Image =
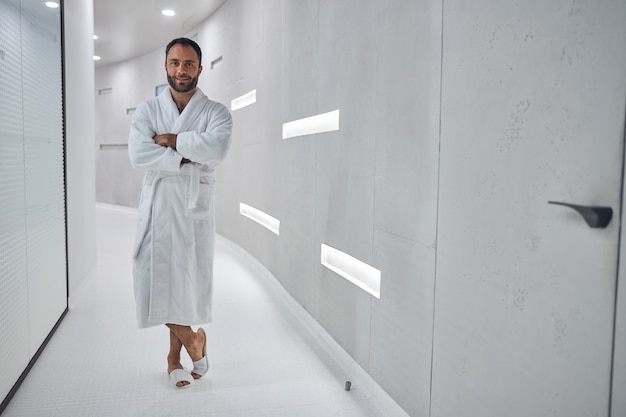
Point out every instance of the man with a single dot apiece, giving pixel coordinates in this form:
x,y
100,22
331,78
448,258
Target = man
x,y
178,137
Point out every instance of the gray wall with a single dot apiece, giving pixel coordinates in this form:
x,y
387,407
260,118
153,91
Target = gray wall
x,y
533,104
372,188
368,189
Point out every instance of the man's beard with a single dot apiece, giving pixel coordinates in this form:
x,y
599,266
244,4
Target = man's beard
x,y
192,84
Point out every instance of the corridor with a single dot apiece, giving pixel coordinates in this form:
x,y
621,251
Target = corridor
x,y
267,356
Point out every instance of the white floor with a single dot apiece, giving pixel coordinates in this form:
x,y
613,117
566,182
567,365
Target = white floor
x,y
268,357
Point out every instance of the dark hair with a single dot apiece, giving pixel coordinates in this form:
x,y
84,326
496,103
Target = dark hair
x,y
185,42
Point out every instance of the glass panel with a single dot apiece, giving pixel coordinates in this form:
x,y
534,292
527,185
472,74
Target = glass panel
x,y
32,202
43,152
13,268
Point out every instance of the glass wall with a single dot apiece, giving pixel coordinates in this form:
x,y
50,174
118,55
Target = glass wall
x,y
33,278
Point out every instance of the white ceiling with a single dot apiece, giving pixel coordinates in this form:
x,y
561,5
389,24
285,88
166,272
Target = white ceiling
x,y
131,28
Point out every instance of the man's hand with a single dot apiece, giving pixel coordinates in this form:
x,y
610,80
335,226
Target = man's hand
x,y
168,139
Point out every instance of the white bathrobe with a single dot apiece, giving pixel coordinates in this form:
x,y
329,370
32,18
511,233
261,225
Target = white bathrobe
x,y
174,248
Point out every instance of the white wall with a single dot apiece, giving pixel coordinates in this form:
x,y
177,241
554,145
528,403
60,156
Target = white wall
x,y
347,189
118,90
370,189
79,124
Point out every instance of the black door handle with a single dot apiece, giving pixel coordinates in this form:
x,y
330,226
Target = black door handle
x,y
595,216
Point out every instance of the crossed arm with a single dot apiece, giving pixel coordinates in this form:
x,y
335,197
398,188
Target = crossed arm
x,y
148,150
168,140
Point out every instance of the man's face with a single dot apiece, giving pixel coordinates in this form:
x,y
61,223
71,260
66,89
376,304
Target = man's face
x,y
182,68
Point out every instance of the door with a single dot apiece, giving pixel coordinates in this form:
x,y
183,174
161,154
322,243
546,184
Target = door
x,y
533,97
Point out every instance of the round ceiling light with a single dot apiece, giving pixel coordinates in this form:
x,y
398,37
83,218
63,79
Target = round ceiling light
x,y
168,12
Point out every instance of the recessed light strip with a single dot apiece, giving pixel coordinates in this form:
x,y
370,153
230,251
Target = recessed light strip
x,y
243,101
260,217
320,123
357,272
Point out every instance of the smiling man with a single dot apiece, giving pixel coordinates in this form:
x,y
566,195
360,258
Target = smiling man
x,y
183,67
179,138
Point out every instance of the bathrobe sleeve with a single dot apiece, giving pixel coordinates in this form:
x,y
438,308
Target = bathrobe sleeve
x,y
143,152
208,147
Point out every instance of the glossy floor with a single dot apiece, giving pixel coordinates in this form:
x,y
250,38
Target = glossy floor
x,y
268,357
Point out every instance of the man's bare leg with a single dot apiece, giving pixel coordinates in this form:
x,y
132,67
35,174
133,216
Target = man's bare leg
x,y
173,358
192,341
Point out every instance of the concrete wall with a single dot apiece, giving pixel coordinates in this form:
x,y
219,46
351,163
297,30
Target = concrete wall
x,y
371,189
348,189
533,105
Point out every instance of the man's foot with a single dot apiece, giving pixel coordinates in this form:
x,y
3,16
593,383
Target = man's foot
x,y
180,378
173,365
200,362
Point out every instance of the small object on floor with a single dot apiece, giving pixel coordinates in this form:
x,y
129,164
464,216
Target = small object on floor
x,y
180,375
201,366
348,385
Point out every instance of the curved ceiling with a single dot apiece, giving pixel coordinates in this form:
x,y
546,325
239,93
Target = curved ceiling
x,y
131,28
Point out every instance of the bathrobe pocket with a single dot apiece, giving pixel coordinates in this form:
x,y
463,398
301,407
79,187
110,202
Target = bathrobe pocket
x,y
202,210
144,216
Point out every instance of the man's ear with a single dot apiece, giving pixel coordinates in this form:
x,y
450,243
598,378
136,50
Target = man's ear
x,y
200,70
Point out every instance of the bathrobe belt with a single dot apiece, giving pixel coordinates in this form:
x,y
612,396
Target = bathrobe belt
x,y
192,170
194,184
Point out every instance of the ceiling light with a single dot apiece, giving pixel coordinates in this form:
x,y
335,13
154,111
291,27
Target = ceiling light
x,y
95,37
168,12
96,58
52,4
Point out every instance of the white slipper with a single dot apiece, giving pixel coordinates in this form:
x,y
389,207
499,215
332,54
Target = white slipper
x,y
180,375
201,366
